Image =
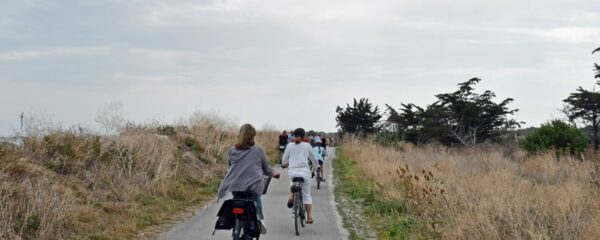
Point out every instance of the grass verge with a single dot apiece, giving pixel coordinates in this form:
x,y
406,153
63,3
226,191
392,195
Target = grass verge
x,y
359,195
150,210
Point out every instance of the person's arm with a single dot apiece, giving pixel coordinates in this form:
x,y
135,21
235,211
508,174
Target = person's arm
x,y
267,170
285,162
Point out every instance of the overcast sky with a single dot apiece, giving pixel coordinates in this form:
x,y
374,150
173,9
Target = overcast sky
x,y
286,63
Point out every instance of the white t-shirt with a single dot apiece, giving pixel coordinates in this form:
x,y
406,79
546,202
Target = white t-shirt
x,y
298,156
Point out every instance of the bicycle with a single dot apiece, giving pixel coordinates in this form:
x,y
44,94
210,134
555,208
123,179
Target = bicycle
x,y
298,212
239,215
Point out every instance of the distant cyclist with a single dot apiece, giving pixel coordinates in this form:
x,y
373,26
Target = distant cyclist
x,y
320,154
283,141
296,157
317,139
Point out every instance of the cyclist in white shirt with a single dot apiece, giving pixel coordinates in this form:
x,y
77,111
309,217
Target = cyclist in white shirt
x,y
296,157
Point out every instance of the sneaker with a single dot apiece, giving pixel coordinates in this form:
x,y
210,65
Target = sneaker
x,y
263,227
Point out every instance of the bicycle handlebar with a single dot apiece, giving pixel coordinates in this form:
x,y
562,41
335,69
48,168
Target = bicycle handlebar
x,y
267,182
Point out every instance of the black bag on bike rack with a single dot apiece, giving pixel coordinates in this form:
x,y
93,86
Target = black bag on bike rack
x,y
226,218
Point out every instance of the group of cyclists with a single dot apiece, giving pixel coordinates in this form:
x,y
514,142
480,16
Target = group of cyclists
x,y
248,166
318,142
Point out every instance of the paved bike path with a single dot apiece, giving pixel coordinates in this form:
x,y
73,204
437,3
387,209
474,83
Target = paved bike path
x,y
278,217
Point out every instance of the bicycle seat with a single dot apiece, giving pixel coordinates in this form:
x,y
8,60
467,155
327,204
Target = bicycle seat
x,y
297,179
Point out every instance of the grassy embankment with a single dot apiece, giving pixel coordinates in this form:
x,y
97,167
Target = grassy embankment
x,y
366,211
69,184
483,192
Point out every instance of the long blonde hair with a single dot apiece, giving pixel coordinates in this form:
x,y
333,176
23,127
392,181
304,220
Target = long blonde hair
x,y
246,137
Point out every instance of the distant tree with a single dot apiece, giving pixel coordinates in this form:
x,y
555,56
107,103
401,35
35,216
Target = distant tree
x,y
360,118
462,117
596,66
583,106
112,118
556,135
473,118
435,125
406,123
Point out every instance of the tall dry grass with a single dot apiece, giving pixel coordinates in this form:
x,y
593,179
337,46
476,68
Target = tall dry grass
x,y
72,183
484,192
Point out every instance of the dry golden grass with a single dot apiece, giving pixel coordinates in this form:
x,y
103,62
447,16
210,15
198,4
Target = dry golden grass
x,y
484,192
73,184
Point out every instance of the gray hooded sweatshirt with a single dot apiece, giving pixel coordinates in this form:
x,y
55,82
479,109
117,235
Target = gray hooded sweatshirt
x,y
246,171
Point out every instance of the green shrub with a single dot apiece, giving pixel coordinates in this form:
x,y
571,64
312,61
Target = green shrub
x,y
27,226
167,130
556,135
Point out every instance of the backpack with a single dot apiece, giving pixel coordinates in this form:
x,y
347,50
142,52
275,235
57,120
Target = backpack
x,y
226,218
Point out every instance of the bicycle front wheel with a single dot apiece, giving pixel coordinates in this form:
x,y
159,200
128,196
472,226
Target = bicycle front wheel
x,y
302,216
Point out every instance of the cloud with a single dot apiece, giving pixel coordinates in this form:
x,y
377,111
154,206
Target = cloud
x,y
172,57
235,11
44,53
572,34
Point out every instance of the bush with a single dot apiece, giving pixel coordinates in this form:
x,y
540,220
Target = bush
x,y
556,135
386,137
166,130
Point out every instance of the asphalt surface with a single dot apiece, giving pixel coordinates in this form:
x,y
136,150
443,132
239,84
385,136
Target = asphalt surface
x,y
278,218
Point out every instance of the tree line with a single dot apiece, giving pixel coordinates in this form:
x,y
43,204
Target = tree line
x,y
466,117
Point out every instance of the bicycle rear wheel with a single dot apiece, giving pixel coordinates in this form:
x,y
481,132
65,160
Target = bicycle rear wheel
x,y
296,214
237,230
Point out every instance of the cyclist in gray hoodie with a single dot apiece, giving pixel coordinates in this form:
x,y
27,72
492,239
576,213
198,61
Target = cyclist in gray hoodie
x,y
248,165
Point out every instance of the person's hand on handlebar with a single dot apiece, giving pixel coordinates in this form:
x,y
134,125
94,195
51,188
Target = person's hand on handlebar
x,y
275,174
